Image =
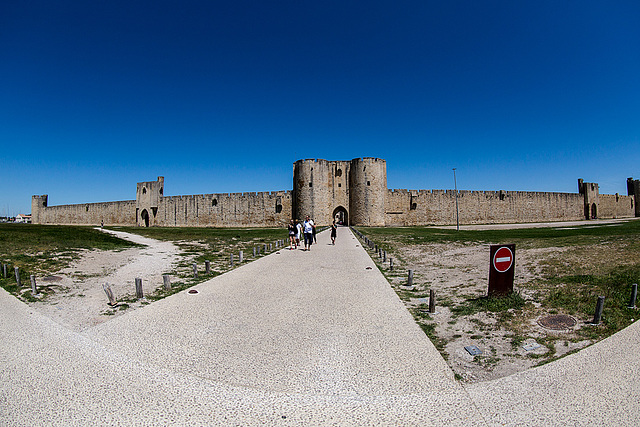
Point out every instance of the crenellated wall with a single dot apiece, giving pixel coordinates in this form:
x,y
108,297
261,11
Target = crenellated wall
x,y
438,207
354,192
265,209
112,213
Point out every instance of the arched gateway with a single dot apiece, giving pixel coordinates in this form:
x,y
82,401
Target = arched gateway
x,y
341,216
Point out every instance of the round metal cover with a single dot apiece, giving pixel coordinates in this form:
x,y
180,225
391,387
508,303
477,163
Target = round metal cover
x,y
557,322
193,291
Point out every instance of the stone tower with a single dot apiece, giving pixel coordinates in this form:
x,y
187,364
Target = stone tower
x,y
350,192
591,193
148,197
367,187
633,189
37,203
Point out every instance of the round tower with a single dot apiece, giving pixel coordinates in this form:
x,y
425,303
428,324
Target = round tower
x,y
311,189
367,190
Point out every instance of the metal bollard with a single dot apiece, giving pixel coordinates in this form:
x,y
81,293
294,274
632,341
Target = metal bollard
x,y
109,292
17,270
432,301
384,256
410,280
265,248
240,256
195,270
254,251
634,295
34,289
270,247
207,267
4,270
231,259
598,315
390,264
166,280
139,293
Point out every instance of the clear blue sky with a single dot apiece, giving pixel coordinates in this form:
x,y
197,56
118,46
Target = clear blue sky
x,y
225,96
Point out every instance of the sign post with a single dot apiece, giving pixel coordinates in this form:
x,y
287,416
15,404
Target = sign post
x,y
501,269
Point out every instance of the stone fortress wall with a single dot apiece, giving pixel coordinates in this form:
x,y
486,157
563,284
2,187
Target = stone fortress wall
x,y
353,192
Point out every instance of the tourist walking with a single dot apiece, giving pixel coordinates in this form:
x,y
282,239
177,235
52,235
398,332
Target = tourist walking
x,y
308,233
292,235
334,233
298,233
314,233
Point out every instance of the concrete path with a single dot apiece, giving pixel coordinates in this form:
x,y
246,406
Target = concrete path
x,y
294,338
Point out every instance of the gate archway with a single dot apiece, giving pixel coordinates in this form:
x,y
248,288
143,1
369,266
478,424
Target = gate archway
x,y
145,217
341,216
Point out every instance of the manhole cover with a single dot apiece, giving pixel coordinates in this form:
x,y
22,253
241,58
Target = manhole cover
x,y
368,268
51,279
193,291
557,322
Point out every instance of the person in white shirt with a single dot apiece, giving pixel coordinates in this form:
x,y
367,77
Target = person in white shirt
x,y
299,232
308,233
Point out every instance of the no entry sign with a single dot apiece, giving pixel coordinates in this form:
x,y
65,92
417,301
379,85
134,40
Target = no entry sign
x,y
503,259
501,270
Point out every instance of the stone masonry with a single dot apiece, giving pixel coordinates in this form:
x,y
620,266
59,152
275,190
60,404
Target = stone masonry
x,y
351,192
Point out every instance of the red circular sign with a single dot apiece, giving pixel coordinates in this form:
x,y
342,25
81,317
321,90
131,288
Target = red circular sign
x,y
503,259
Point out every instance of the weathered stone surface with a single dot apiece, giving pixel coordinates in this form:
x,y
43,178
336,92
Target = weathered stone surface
x,y
353,191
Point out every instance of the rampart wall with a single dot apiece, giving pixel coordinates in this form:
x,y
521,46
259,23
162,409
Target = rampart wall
x,y
112,213
615,206
438,207
354,192
264,209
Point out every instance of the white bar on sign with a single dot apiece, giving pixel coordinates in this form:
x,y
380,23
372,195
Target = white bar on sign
x,y
503,259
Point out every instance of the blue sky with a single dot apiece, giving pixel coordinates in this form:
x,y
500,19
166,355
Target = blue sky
x,y
225,96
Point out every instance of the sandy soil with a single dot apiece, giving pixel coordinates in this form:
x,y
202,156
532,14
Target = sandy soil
x,y
79,300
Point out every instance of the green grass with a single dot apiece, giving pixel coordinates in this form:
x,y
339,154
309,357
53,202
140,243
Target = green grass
x,y
527,237
51,247
492,304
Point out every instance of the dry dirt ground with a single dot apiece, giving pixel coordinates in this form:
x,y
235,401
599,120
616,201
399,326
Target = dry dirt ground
x,y
510,342
79,301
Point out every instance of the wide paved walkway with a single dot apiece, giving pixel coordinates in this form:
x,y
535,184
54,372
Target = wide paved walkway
x,y
294,338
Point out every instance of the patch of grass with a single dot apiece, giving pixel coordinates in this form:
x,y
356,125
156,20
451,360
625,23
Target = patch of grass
x,y
492,304
430,330
577,295
49,248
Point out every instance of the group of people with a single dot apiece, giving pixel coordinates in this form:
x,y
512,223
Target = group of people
x,y
308,229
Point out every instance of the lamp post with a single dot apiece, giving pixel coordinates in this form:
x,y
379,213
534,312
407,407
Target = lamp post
x,y
455,184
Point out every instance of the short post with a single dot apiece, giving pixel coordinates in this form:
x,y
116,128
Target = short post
x,y
390,264
240,257
598,315
432,301
109,292
195,270
139,293
634,295
270,247
4,270
34,289
384,256
265,248
17,270
410,280
207,267
166,280
231,259
254,251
